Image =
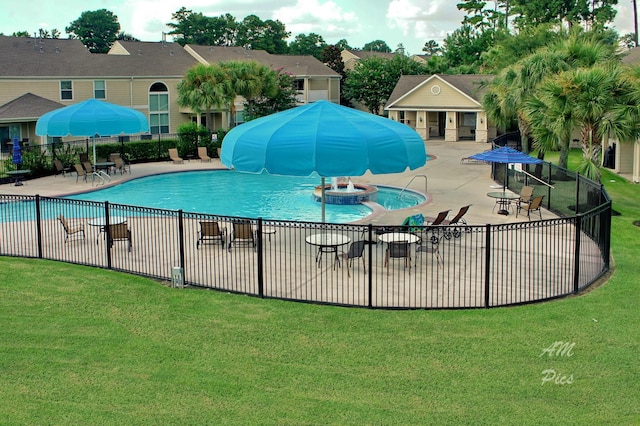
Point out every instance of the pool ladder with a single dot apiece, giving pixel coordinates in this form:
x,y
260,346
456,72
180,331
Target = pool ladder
x,y
426,184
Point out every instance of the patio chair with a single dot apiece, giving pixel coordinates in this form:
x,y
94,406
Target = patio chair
x,y
60,168
242,234
119,232
72,229
533,206
526,194
398,250
121,165
210,232
173,155
356,250
458,218
80,172
88,167
202,154
433,249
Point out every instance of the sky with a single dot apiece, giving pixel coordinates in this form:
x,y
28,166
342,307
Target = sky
x,y
407,22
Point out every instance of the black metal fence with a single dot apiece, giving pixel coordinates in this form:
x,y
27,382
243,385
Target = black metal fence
x,y
420,267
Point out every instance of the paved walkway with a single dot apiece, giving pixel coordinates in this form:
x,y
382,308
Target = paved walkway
x,y
450,184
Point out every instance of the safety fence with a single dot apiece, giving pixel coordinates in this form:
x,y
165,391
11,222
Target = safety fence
x,y
417,267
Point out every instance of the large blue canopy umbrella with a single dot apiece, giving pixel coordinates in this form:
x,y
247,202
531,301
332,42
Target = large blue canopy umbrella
x,y
505,155
325,138
92,118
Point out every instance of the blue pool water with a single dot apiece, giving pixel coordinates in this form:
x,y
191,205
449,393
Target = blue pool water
x,y
229,193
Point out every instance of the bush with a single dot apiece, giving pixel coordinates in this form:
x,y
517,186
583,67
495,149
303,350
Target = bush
x,y
190,136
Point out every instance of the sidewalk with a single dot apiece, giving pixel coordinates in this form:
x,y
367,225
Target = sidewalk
x,y
450,184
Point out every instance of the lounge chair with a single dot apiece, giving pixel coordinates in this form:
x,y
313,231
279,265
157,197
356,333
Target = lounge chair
x,y
398,250
533,206
202,154
60,168
88,167
119,232
414,223
434,227
458,218
242,234
80,172
211,232
173,155
356,250
72,229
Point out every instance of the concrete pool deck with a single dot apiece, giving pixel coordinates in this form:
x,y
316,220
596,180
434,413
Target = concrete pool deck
x,y
449,184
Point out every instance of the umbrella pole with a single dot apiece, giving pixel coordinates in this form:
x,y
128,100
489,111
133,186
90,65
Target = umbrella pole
x,y
322,198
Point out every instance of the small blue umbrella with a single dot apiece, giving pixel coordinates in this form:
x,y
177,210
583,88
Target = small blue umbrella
x,y
17,154
505,155
323,138
92,118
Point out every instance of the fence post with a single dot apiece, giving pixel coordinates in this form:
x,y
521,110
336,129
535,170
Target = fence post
x,y
181,238
577,193
576,254
260,259
39,226
487,263
370,259
107,231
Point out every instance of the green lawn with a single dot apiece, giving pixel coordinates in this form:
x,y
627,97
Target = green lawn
x,y
87,346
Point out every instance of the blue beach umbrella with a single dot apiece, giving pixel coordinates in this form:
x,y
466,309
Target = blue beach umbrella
x,y
323,138
17,154
505,155
92,118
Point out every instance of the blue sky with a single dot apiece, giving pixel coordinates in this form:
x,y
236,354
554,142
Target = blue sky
x,y
410,22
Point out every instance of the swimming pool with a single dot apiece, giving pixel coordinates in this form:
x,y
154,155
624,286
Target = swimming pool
x,y
230,193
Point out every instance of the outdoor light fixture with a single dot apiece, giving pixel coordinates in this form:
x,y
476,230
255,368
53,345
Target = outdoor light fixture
x,y
450,120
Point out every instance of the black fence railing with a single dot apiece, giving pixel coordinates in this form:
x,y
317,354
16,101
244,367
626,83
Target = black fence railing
x,y
422,267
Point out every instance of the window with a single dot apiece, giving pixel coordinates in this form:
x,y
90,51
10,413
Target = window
x,y
158,109
299,84
66,90
99,89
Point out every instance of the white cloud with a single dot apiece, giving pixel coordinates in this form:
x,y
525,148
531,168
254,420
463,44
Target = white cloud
x,y
327,19
433,22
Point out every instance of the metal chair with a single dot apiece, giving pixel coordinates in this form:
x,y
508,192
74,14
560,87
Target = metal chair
x,y
211,232
356,250
533,206
398,250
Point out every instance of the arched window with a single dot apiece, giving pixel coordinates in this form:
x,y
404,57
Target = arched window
x,y
158,108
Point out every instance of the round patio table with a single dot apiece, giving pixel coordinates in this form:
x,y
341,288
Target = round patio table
x,y
18,175
503,199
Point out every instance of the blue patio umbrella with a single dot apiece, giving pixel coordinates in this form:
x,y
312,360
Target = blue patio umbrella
x,y
323,138
505,155
92,118
17,153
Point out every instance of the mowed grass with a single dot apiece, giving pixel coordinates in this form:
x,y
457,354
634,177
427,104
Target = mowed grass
x,y
80,345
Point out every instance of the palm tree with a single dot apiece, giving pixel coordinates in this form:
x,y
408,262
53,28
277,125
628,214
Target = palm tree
x,y
203,88
248,79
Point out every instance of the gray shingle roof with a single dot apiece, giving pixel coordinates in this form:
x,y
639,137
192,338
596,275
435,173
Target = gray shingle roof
x,y
469,84
27,107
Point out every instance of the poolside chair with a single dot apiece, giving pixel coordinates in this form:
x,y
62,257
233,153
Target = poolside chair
x,y
202,154
211,232
60,168
121,165
88,167
430,248
526,194
533,206
119,232
458,218
72,229
80,172
173,155
398,250
242,234
356,250
434,227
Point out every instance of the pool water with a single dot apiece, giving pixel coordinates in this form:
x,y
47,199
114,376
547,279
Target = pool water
x,y
229,193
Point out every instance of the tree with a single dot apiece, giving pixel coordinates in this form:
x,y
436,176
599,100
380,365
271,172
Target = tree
x,y
196,28
591,13
283,98
312,44
463,48
431,48
373,79
96,29
250,80
376,46
20,34
342,44
203,88
256,34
